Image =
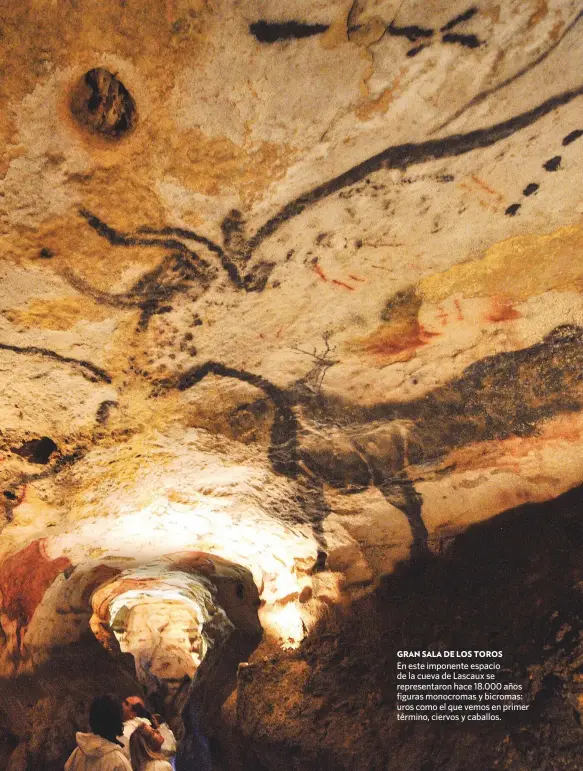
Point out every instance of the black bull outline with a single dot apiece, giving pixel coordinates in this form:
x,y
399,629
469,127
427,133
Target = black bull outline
x,y
498,397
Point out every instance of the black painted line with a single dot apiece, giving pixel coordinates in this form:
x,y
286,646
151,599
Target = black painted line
x,y
276,31
33,350
553,164
512,209
150,291
403,156
468,41
483,95
465,16
416,50
60,465
413,33
400,492
572,137
182,233
123,239
229,267
116,300
530,189
283,447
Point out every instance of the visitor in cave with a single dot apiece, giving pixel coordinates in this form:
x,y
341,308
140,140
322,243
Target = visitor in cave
x,y
169,746
145,750
135,714
100,750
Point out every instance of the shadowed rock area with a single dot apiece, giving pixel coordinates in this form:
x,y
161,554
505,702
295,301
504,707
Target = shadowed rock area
x,y
291,325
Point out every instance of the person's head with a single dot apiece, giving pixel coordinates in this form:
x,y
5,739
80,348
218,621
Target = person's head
x,y
145,745
105,717
129,706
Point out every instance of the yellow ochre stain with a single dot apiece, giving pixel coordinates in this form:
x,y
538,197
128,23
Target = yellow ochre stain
x,y
524,266
57,314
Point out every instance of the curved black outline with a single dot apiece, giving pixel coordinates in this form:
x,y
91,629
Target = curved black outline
x,y
284,457
403,156
33,350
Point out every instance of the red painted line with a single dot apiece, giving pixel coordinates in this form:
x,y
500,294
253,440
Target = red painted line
x,y
317,269
459,310
341,283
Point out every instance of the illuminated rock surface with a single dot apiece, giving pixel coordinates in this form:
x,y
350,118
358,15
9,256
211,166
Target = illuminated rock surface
x,y
291,297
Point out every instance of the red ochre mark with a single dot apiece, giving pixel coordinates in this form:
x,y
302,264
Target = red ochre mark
x,y
442,315
458,308
400,343
502,309
24,579
487,188
341,283
317,269
355,278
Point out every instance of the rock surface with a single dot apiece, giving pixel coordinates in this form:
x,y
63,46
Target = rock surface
x,y
293,286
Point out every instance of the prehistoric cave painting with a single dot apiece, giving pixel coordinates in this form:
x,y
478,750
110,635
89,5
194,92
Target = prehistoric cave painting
x,y
319,440
184,270
414,33
181,269
24,579
36,451
275,32
283,448
551,165
88,370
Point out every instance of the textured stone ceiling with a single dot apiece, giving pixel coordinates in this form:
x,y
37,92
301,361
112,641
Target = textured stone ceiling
x,y
260,255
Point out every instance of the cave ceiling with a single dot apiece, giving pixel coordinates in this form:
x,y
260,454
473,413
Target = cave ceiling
x,y
296,285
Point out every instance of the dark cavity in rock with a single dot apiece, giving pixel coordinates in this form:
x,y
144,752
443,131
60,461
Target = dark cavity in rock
x,y
102,103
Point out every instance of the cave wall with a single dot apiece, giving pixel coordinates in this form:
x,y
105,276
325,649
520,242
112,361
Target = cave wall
x,y
332,703
294,286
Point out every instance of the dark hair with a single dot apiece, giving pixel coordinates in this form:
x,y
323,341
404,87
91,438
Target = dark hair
x,y
105,717
141,711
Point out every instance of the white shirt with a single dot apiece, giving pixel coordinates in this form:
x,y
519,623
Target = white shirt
x,y
128,728
156,765
169,746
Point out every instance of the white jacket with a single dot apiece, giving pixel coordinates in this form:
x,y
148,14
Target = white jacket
x,y
93,753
